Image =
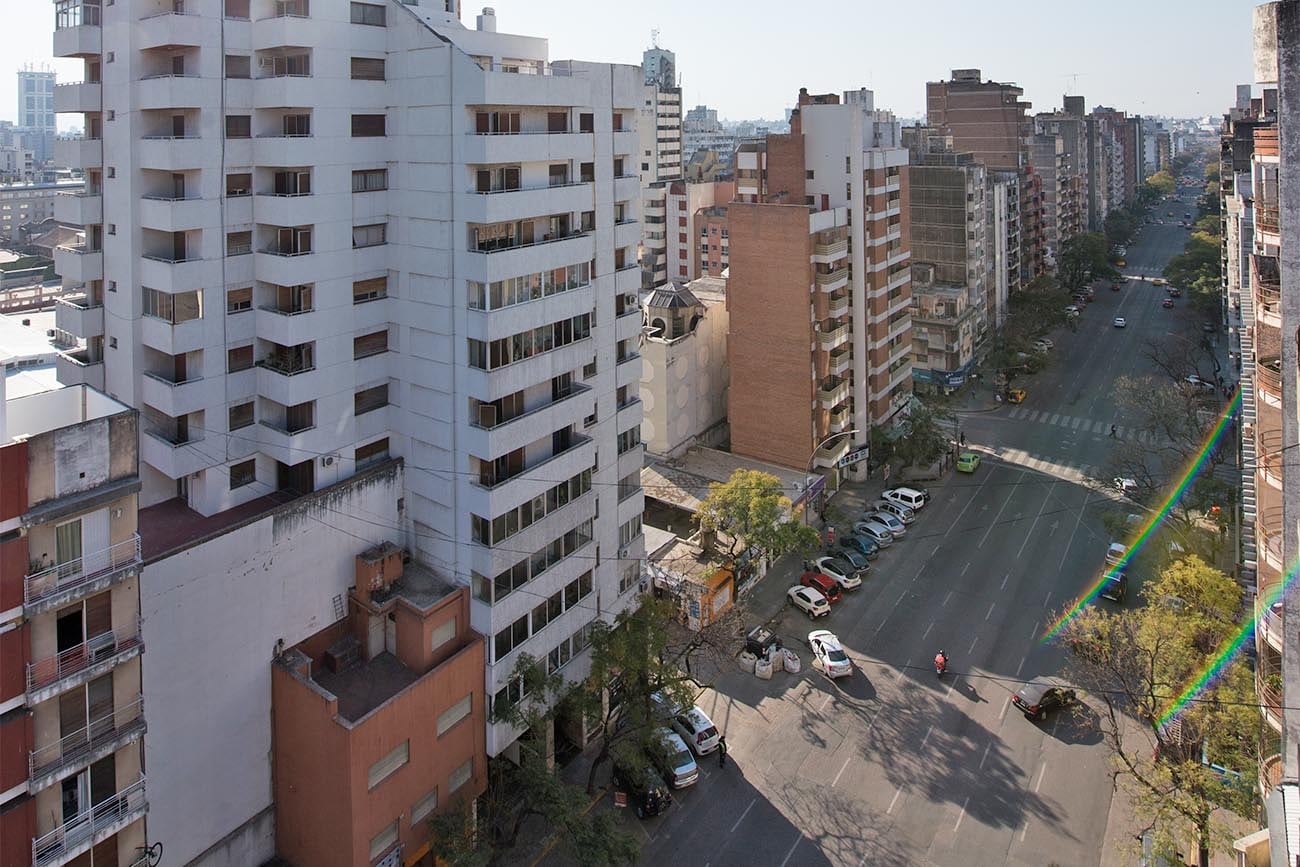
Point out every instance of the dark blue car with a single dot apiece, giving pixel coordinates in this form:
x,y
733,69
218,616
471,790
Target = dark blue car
x,y
861,544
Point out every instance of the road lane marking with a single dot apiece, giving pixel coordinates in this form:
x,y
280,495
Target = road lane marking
x,y
1046,599
1056,720
1077,522
927,630
1030,534
746,813
972,646
992,605
890,811
935,551
951,687
1077,422
988,746
822,709
1005,579
1021,666
1055,416
961,815
1024,831
946,598
927,736
963,569
837,776
792,848
998,516
1042,772
1006,704
1033,636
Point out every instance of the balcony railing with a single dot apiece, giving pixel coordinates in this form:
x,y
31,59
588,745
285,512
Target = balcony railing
x,y
287,367
82,570
489,481
545,239
827,279
1270,696
574,392
1269,618
544,69
1270,773
56,845
1268,372
1266,219
76,15
85,741
834,249
78,658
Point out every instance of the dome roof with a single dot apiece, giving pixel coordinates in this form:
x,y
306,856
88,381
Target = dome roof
x,y
672,295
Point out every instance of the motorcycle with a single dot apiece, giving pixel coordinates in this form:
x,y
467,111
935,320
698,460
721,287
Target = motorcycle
x,y
940,664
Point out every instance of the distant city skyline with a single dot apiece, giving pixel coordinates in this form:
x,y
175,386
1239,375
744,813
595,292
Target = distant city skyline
x,y
889,49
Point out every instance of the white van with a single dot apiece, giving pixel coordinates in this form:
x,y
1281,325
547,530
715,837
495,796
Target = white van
x,y
909,497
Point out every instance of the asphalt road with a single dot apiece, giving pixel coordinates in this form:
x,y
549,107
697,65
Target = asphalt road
x,y
896,766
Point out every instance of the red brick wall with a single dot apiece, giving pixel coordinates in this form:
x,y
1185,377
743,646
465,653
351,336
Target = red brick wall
x,y
13,569
770,334
17,828
15,744
14,651
13,480
786,173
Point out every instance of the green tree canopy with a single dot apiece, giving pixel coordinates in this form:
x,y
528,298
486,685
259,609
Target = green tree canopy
x,y
1162,182
1084,258
752,511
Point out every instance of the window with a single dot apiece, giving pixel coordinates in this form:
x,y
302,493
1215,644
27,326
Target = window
x,y
368,13
628,576
237,8
455,714
239,243
808,175
367,125
178,308
629,439
489,355
385,839
241,415
586,122
511,637
239,358
239,300
629,531
243,474
370,344
424,806
295,125
368,68
442,634
460,776
369,290
369,236
370,399
239,126
389,764
368,180
239,66
238,185
557,121
848,165
373,453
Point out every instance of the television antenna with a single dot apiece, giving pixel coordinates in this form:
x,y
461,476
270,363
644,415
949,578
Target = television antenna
x,y
654,37
1074,80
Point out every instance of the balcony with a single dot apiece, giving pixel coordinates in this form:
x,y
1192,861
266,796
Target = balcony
x,y
833,392
169,153
172,338
1268,379
490,482
84,662
79,367
181,398
1266,219
285,91
79,263
169,214
78,97
841,361
529,146
1268,688
78,316
288,150
838,307
169,30
544,85
177,458
828,340
1270,774
277,209
829,454
492,436
830,282
286,268
290,384
1271,457
62,583
77,835
79,209
841,420
288,26
286,327
824,254
156,92
86,745
172,274
77,32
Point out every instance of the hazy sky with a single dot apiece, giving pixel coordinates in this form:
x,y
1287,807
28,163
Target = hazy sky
x,y
748,58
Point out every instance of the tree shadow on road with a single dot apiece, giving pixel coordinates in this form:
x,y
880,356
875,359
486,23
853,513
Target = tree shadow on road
x,y
1078,724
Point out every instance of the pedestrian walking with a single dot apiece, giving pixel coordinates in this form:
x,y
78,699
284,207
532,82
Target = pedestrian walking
x,y
1112,430
722,750
961,437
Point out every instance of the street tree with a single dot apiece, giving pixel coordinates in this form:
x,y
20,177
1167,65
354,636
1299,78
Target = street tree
x,y
1084,258
1134,663
1162,182
749,510
927,432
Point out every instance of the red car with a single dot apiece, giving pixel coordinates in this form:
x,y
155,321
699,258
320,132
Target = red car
x,y
1168,302
823,584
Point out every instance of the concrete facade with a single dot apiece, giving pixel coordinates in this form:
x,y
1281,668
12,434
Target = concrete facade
x,y
698,239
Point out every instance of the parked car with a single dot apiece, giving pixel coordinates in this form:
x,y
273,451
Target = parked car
x,y
1046,341
644,787
674,759
875,531
808,600
839,571
1115,553
896,527
823,584
968,462
1115,584
912,498
1072,310
1016,395
828,653
1167,303
864,546
699,732
1039,697
853,557
1121,322
902,513
1200,384
1125,486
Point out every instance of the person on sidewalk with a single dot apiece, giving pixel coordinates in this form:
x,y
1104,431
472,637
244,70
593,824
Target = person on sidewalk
x,y
1112,430
961,437
722,750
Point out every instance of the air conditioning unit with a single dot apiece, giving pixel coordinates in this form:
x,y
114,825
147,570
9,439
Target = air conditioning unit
x,y
622,553
327,461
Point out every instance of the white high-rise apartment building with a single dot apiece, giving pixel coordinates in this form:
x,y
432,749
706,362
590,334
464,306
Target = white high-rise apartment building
x,y
322,232
660,157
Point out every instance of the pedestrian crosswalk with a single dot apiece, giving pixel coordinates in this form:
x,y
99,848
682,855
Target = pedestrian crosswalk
x,y
1068,472
1082,425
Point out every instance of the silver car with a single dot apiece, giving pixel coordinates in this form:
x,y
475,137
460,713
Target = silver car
x,y
875,531
902,513
894,524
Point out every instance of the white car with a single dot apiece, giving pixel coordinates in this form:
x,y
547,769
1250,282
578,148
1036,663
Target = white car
x,y
808,600
1045,341
1072,310
674,760
1125,486
829,656
894,524
699,732
1121,322
909,497
1198,383
875,531
902,513
838,570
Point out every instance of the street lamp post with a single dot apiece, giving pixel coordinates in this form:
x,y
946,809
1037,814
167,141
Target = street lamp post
x,y
813,457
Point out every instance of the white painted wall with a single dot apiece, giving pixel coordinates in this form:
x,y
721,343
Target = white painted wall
x,y
212,615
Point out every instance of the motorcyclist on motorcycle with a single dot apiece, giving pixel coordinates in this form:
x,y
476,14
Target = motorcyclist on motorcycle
x,y
941,662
